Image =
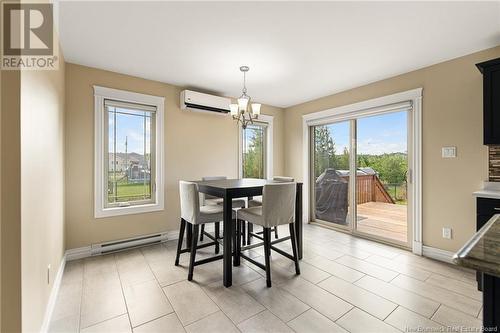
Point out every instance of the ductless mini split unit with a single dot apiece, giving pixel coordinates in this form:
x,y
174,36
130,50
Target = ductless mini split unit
x,y
196,101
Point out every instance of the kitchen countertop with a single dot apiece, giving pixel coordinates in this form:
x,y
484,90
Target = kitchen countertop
x,y
490,190
482,251
492,194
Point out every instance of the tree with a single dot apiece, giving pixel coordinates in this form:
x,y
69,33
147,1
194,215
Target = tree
x,y
324,150
253,158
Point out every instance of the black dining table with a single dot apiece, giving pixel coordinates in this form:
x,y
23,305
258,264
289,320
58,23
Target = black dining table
x,y
229,189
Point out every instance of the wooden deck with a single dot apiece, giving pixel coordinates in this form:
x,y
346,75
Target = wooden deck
x,y
383,220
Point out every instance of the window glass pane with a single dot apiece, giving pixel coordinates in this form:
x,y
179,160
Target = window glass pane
x,y
130,139
254,151
331,172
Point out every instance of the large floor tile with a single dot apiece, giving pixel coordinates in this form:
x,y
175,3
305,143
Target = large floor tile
x,y
324,302
336,269
358,321
145,302
189,301
166,273
406,321
450,317
102,299
375,248
68,300
457,286
234,301
275,299
119,324
438,294
73,272
368,268
399,267
307,271
243,274
133,268
94,266
313,321
214,323
409,300
69,324
169,323
359,297
160,253
264,322
351,250
430,265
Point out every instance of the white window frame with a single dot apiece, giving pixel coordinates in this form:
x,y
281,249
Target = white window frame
x,y
366,108
100,94
268,120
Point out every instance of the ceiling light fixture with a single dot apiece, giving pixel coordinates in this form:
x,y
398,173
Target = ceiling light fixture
x,y
244,111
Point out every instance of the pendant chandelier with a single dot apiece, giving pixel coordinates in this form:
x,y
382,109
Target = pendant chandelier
x,y
244,111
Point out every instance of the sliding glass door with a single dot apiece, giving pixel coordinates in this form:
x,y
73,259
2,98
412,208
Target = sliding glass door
x,y
375,148
331,168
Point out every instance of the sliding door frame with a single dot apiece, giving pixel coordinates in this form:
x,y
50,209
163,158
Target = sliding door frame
x,y
376,106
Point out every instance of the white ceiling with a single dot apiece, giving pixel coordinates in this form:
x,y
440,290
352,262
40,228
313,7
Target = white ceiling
x,y
296,51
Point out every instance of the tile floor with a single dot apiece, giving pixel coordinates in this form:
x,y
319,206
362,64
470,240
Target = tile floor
x,y
347,285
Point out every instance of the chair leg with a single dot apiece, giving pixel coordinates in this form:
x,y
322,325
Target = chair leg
x,y
194,245
217,236
243,233
202,231
276,232
189,235
293,238
179,242
267,254
237,249
249,230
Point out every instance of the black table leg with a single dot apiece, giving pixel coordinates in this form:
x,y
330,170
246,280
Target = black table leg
x,y
228,233
298,219
491,302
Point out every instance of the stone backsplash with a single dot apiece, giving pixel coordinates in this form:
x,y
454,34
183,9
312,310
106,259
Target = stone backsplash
x,y
494,163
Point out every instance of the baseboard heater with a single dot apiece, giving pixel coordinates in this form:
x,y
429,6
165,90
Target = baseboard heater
x,y
126,244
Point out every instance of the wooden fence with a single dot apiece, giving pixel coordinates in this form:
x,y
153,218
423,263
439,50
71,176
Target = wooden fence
x,y
369,188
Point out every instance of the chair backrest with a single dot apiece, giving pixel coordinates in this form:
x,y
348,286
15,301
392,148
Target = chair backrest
x,y
190,201
278,204
283,179
208,196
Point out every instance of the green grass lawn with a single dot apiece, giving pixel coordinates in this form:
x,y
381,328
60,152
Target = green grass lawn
x,y
397,193
130,192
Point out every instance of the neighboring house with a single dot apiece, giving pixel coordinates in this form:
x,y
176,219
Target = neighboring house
x,y
123,161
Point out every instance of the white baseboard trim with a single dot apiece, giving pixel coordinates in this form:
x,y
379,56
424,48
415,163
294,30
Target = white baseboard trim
x,y
53,296
438,254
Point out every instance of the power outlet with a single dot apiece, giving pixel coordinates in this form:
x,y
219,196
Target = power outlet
x,y
48,274
447,233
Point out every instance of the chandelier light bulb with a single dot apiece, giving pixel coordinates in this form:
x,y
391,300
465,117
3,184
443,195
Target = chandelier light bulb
x,y
256,108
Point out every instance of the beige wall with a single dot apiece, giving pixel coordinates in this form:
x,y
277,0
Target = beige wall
x,y
452,115
42,188
11,202
196,144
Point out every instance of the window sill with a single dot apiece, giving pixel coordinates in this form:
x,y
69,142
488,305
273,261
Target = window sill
x,y
129,210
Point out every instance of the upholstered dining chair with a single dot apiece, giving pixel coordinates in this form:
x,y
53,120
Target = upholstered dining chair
x,y
196,215
207,199
257,201
278,208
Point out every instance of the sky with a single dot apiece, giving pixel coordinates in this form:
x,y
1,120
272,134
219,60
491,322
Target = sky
x,y
130,126
377,135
